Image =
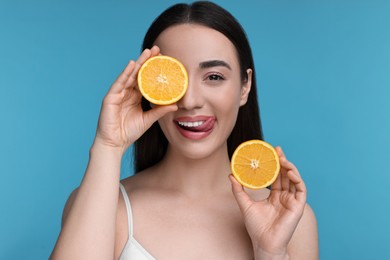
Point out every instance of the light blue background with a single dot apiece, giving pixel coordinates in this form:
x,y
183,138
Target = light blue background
x,y
323,71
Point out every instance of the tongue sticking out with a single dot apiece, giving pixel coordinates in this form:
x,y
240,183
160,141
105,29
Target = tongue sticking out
x,y
193,128
202,126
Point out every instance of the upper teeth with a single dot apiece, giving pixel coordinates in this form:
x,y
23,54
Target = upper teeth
x,y
191,124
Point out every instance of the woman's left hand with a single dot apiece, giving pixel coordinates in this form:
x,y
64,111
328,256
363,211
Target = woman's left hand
x,y
271,222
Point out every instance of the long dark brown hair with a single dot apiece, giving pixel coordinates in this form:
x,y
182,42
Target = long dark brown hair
x,y
151,147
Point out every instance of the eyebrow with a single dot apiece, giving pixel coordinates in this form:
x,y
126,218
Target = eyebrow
x,y
214,63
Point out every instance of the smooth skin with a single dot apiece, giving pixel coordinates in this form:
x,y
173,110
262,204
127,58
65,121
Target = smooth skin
x,y
188,206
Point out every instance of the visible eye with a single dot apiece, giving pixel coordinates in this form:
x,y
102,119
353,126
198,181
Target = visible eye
x,y
214,77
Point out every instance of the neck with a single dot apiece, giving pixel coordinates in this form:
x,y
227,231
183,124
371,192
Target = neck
x,y
196,177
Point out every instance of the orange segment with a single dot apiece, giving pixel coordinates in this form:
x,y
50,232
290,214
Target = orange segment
x,y
255,164
162,80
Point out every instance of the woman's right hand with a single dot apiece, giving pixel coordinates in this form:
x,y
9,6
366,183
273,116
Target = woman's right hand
x,y
122,120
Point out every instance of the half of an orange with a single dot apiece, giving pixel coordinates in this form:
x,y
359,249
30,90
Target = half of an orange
x,y
163,80
255,164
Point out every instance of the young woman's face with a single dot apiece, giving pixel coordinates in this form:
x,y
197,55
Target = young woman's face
x,y
208,111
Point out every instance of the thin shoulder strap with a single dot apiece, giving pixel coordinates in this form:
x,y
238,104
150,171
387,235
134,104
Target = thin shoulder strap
x,y
128,208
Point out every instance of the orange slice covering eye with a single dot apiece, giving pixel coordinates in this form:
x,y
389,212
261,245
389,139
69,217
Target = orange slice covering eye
x,y
162,80
255,164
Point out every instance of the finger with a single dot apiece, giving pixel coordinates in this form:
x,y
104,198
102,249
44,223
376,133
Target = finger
x,y
300,187
145,55
292,187
132,97
132,75
285,182
242,198
120,83
280,151
155,50
157,112
277,185
291,167
281,154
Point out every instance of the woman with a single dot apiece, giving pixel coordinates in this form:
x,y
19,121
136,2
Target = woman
x,y
183,203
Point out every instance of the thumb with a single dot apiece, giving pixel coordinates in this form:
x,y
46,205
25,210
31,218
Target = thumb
x,y
242,198
157,112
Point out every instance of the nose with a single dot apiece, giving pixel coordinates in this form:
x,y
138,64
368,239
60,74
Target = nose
x,y
192,99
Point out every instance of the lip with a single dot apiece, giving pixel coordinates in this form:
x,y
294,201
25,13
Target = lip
x,y
197,132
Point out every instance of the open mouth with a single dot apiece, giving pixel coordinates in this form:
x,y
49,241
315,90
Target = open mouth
x,y
195,128
192,126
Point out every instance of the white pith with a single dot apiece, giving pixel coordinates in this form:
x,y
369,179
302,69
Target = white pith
x,y
191,124
255,164
162,79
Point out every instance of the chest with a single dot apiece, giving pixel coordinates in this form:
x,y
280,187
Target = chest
x,y
192,231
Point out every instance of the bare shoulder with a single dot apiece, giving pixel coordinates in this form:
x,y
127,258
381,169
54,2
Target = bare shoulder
x,y
137,181
68,205
304,243
141,182
130,184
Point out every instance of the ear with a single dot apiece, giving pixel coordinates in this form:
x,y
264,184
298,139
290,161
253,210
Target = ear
x,y
246,88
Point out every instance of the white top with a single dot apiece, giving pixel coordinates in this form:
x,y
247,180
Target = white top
x,y
132,250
